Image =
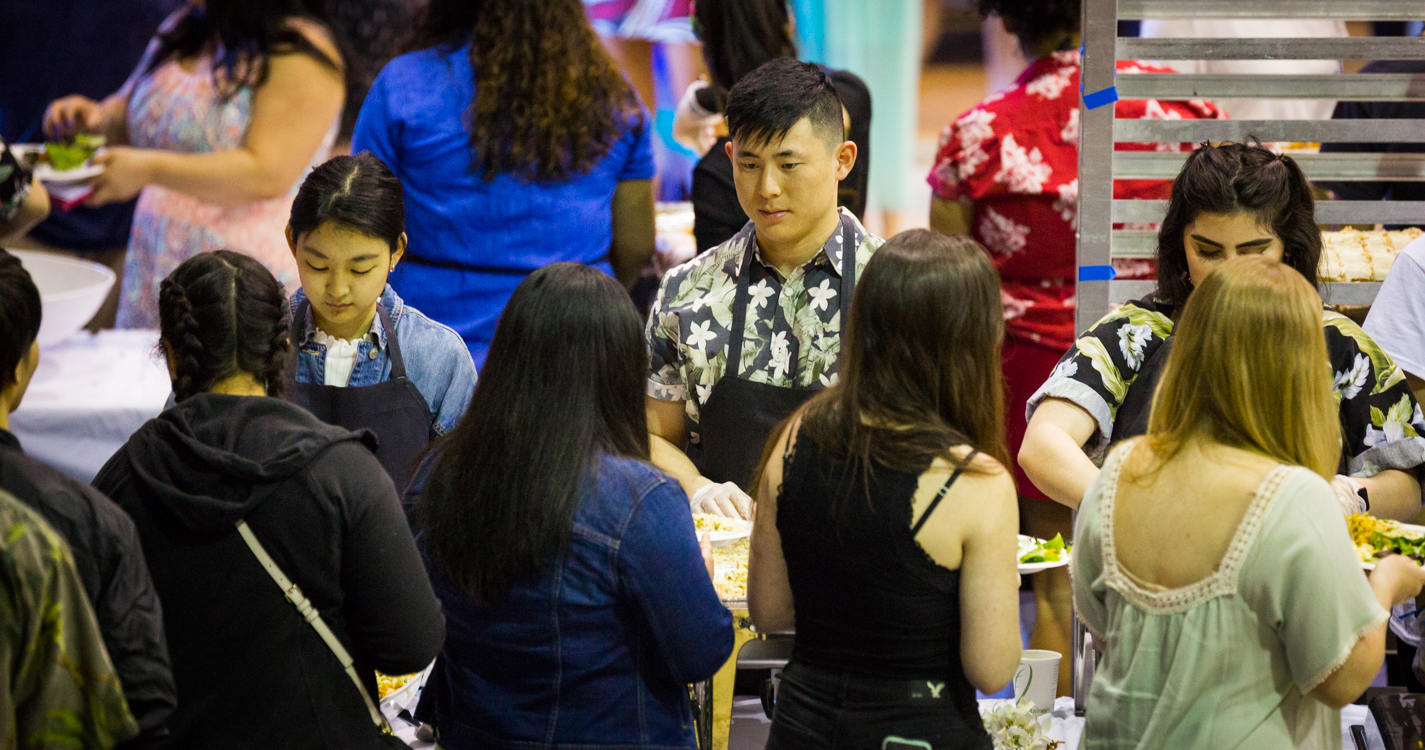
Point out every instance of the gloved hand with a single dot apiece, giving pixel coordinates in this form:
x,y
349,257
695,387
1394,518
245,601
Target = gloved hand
x,y
725,499
694,127
1348,494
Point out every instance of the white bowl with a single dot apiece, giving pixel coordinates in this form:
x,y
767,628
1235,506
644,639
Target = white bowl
x,y
71,291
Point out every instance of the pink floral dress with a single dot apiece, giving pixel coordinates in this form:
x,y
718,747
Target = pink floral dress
x,y
177,110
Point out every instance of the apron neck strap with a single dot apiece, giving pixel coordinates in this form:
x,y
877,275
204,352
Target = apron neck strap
x,y
744,280
393,344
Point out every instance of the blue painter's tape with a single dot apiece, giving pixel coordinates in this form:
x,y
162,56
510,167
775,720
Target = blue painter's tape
x,y
1096,273
1101,98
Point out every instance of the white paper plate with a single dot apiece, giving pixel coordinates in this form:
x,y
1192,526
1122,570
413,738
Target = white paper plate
x,y
46,173
1027,543
1407,526
402,696
724,538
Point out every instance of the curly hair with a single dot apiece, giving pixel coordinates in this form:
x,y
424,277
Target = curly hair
x,y
550,102
1034,20
220,314
1238,178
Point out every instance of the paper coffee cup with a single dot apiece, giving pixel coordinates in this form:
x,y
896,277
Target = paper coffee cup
x,y
1037,679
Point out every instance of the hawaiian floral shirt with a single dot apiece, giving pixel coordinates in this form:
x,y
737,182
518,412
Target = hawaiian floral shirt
x,y
1381,423
793,332
14,183
1016,155
60,687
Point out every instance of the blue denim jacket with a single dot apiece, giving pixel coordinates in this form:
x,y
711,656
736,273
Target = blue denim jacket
x,y
437,361
599,651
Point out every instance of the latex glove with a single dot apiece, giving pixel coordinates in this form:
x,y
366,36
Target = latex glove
x,y
1347,494
725,499
694,127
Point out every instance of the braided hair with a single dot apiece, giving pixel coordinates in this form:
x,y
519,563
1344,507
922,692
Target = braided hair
x,y
221,314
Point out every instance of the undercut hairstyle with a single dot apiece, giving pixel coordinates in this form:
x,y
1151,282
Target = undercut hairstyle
x,y
1035,20
19,316
550,102
768,102
358,193
738,36
221,314
920,373
1238,178
248,34
563,382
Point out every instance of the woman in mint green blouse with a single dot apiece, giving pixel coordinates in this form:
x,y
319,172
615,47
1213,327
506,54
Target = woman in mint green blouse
x,y
1213,565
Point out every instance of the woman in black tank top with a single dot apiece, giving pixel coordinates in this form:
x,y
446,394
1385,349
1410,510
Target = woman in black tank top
x,y
886,521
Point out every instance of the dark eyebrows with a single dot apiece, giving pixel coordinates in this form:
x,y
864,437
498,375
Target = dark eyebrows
x,y
364,258
745,154
1203,240
314,251
1255,243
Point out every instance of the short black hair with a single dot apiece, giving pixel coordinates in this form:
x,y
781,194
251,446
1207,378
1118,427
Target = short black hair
x,y
358,193
1238,178
1034,20
771,100
19,316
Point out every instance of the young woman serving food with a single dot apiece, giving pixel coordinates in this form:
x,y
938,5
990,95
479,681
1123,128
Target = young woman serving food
x,y
364,358
1229,200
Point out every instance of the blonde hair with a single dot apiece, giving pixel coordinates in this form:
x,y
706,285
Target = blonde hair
x,y
1248,369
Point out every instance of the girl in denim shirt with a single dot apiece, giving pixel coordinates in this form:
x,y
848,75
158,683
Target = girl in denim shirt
x,y
364,358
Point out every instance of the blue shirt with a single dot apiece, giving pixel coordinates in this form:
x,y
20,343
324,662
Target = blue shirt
x,y
437,361
598,652
414,119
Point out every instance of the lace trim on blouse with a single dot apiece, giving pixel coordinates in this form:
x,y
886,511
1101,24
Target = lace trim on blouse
x,y
1155,599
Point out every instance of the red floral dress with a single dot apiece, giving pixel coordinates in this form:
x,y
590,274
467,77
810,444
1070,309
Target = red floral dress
x,y
1016,156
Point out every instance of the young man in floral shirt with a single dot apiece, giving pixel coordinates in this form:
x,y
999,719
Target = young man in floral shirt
x,y
771,299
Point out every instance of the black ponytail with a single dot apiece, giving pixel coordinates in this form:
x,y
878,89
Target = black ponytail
x,y
221,314
358,193
1238,178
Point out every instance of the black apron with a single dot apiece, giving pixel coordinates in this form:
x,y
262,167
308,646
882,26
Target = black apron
x,y
395,410
740,414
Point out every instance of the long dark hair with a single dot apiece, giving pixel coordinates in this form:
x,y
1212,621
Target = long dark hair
x,y
738,36
249,33
563,386
1034,20
20,312
920,368
358,193
549,100
1238,178
223,313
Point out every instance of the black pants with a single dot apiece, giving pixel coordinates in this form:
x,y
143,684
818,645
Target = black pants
x,y
818,710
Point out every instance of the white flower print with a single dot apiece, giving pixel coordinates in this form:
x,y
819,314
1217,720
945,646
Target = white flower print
x,y
1067,57
975,128
1065,370
821,296
700,334
698,303
1392,425
759,295
1022,171
1001,234
1131,341
1070,133
1350,382
1014,307
704,393
1050,85
828,382
781,355
970,162
1068,203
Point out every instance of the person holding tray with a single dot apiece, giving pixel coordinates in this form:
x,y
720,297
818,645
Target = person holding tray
x,y
1229,200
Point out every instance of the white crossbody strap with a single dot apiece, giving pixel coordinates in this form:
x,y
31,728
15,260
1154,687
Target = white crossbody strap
x,y
314,618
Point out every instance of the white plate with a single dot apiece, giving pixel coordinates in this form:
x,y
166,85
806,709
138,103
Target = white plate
x,y
724,538
402,695
46,173
1406,526
1027,543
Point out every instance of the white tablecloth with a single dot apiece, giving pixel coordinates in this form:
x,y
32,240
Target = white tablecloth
x,y
1069,729
91,393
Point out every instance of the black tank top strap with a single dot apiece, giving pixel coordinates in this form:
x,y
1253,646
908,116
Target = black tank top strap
x,y
940,495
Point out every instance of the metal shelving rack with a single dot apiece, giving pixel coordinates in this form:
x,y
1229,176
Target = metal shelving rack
x,y
1099,164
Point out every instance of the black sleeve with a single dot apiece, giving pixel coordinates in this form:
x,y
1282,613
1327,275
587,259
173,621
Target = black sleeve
x,y
856,97
391,613
717,215
1354,191
132,622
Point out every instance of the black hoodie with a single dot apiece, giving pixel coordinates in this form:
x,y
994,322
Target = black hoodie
x,y
250,671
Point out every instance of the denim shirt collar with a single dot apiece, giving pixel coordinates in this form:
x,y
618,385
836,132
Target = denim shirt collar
x,y
395,307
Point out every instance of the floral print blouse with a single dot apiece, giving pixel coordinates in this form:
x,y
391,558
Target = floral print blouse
x,y
793,330
1381,423
14,184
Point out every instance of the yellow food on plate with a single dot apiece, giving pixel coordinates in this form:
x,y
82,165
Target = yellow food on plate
x,y
386,684
711,522
1373,535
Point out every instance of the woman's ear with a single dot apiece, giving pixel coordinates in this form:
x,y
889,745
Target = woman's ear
x,y
399,252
